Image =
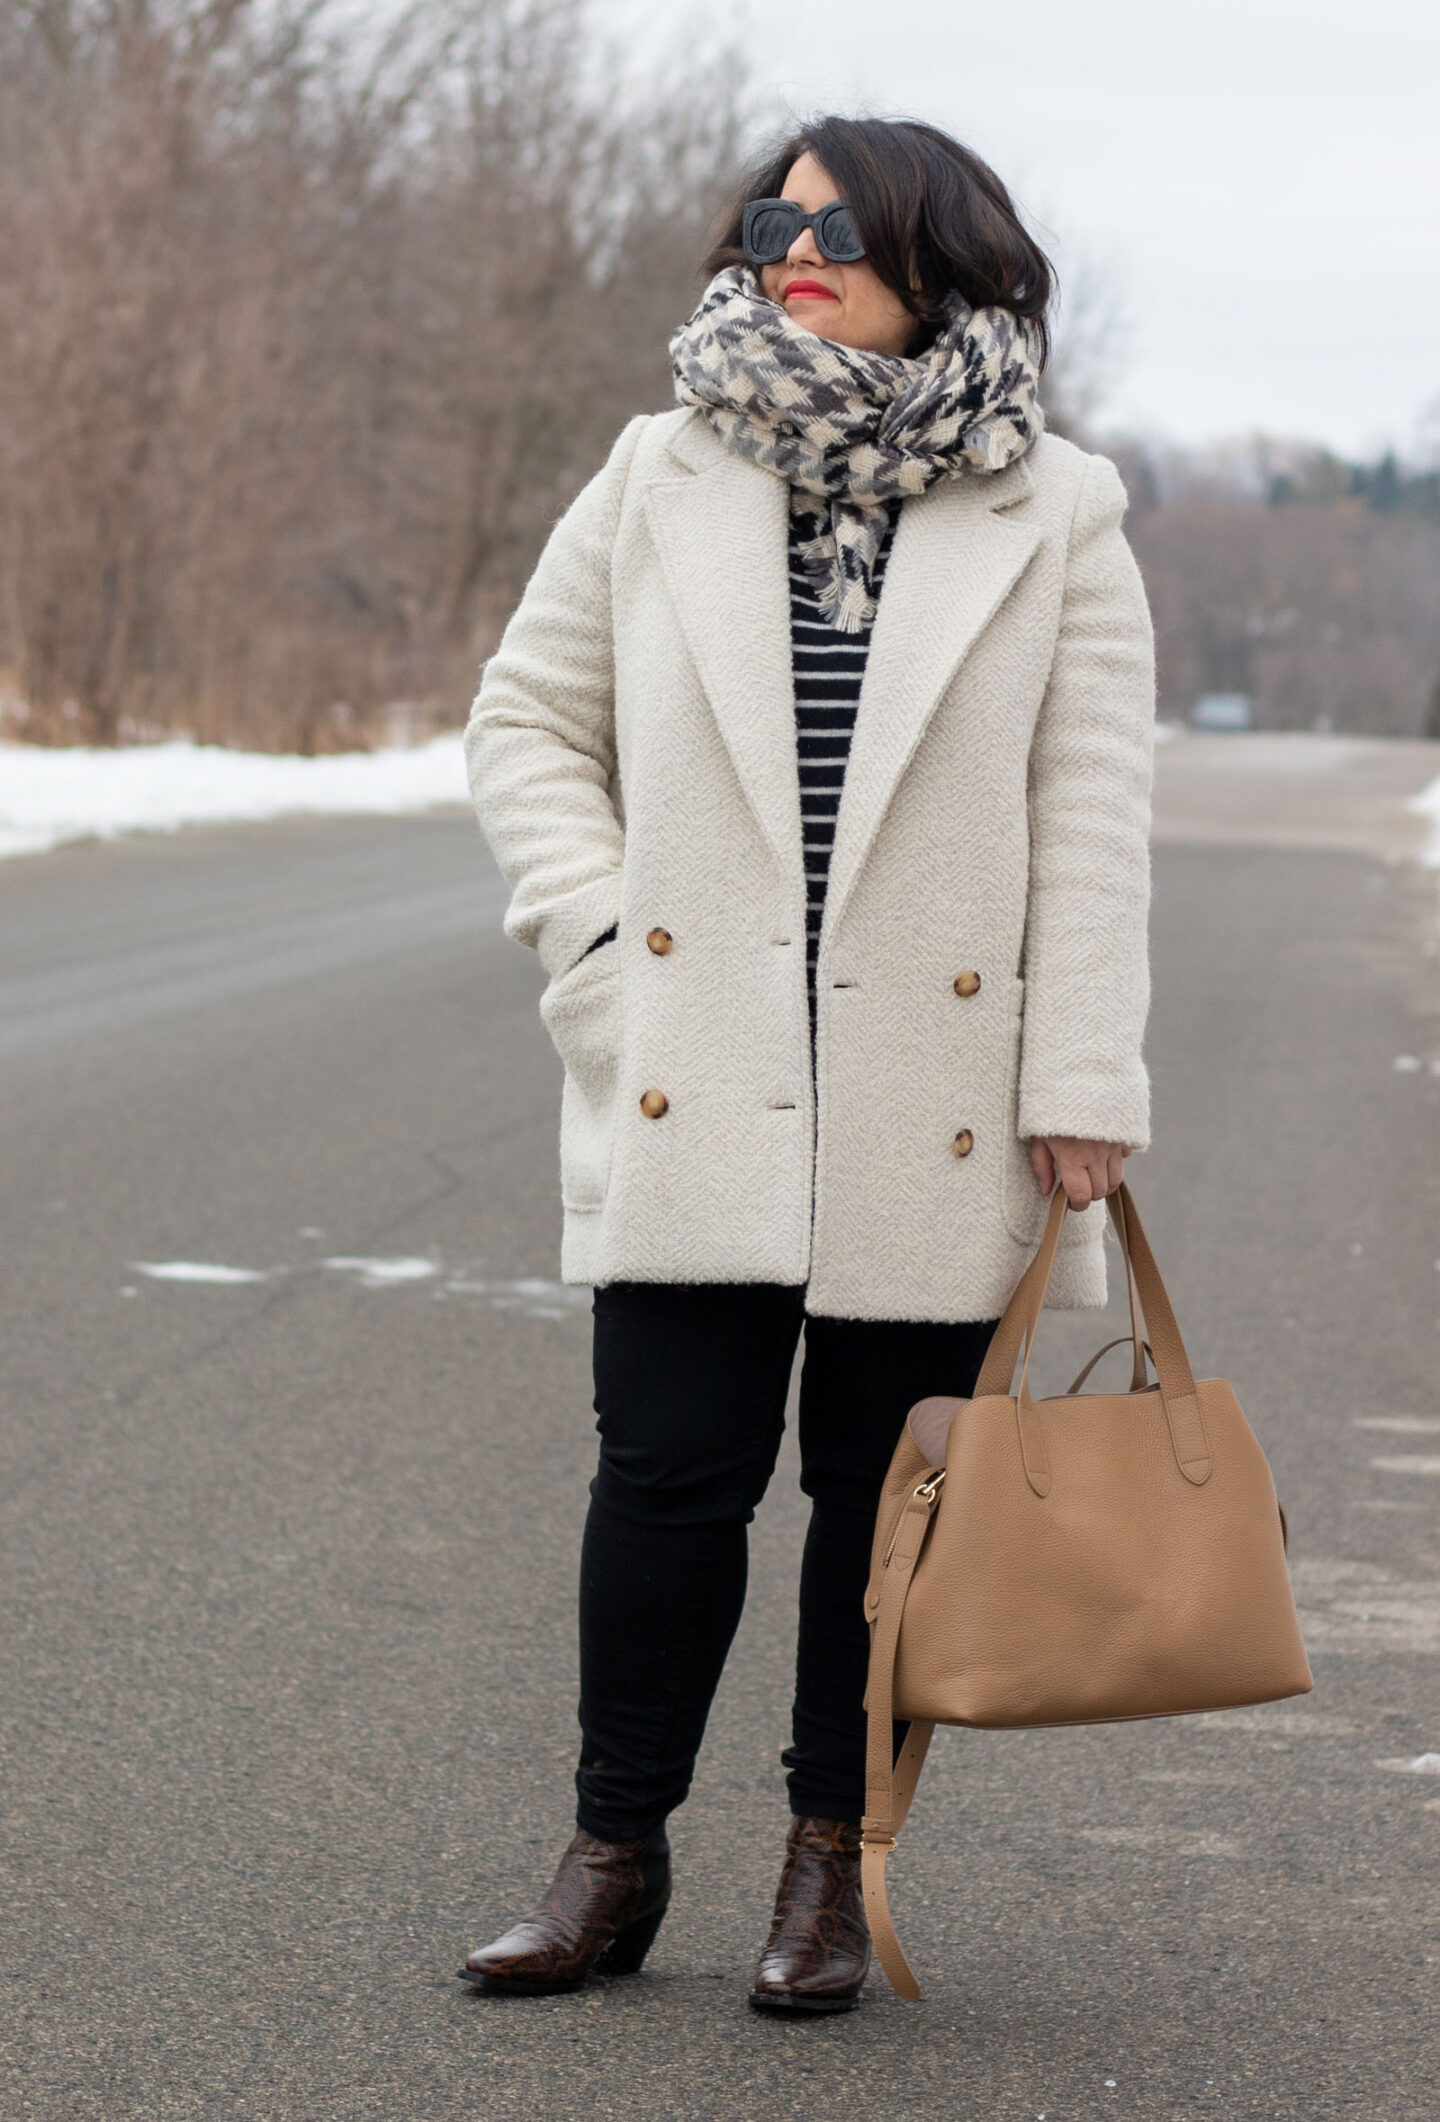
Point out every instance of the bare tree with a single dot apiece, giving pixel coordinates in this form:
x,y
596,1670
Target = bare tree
x,y
302,347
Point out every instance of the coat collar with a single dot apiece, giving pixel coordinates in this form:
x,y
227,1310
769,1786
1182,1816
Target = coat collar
x,y
721,526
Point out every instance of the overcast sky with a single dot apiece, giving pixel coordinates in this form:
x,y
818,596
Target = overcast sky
x,y
1259,180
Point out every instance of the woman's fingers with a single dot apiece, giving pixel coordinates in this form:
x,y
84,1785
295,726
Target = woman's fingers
x,y
1079,1179
1089,1171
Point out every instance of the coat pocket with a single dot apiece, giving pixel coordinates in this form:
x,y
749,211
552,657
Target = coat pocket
x,y
581,1012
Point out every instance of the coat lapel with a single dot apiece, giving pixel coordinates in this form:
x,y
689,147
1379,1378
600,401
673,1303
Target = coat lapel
x,y
955,558
720,528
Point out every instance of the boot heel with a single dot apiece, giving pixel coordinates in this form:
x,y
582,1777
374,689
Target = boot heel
x,y
625,1953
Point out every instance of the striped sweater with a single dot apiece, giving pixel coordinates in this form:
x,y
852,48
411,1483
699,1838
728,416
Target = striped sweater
x,y
828,668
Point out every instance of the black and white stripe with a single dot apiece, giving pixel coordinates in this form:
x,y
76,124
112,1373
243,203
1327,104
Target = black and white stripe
x,y
828,667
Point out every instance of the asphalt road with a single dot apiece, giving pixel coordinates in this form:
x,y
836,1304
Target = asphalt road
x,y
286,1670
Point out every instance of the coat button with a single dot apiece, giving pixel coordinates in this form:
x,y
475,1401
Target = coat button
x,y
964,1142
660,941
967,984
653,1103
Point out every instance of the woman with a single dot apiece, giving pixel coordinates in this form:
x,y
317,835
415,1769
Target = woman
x,y
843,978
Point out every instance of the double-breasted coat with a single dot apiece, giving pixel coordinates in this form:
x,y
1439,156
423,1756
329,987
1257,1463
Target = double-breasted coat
x,y
982,973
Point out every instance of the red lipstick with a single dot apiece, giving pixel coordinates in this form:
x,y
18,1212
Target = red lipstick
x,y
809,291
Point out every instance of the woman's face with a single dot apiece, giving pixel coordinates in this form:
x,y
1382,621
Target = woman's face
x,y
847,303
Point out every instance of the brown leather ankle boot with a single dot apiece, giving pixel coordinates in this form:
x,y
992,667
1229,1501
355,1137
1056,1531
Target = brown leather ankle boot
x,y
601,1912
818,1952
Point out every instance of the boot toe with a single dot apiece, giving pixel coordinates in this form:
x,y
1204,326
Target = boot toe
x,y
529,1959
773,1993
804,1981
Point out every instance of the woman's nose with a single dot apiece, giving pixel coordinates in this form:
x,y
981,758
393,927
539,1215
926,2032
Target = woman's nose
x,y
804,250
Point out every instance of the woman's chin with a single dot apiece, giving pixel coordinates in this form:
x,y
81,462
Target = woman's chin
x,y
820,318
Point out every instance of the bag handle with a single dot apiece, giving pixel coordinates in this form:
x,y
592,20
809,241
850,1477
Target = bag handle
x,y
1138,1382
890,1780
1172,1366
998,1368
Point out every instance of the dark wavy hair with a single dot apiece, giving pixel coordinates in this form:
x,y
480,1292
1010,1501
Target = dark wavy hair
x,y
934,219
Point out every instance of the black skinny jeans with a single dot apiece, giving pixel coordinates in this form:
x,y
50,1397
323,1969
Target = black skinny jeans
x,y
690,1389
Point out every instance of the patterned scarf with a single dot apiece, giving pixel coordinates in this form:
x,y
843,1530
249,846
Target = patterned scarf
x,y
855,429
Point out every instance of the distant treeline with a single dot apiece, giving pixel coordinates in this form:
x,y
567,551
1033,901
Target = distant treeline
x,y
310,327
1284,572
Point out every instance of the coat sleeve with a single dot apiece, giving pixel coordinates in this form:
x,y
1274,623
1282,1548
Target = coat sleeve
x,y
540,744
1087,977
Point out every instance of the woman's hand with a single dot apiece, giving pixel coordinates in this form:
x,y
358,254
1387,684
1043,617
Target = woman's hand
x,y
1088,1170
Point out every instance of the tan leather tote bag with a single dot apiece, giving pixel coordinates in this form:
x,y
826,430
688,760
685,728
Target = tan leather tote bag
x,y
1069,1561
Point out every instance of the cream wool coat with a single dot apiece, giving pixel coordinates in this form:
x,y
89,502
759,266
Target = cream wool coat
x,y
633,758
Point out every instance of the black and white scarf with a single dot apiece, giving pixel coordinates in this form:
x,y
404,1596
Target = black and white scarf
x,y
855,429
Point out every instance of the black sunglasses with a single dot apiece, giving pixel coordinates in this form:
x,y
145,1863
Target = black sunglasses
x,y
770,226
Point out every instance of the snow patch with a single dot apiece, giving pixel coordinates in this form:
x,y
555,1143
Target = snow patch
x,y
1179,1842
1427,805
198,1271
529,1295
382,1274
1403,1425
1360,1608
49,795
1271,1723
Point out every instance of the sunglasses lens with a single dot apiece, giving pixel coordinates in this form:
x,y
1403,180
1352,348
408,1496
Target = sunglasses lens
x,y
770,229
835,234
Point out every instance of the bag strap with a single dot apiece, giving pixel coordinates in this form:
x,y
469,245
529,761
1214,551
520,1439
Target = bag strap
x,y
1138,1375
890,1780
998,1368
1172,1365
